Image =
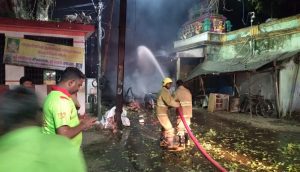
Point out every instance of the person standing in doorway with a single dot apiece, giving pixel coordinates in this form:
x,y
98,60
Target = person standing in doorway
x,y
184,96
60,113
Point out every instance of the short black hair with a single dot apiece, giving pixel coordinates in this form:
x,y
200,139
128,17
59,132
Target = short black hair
x,y
71,73
179,82
24,79
16,106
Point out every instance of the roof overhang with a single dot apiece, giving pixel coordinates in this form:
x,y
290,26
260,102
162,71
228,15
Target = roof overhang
x,y
249,63
46,27
193,53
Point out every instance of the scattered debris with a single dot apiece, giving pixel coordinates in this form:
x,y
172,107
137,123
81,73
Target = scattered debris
x,y
134,106
108,121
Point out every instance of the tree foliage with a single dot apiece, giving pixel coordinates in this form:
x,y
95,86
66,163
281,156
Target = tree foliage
x,y
262,6
26,9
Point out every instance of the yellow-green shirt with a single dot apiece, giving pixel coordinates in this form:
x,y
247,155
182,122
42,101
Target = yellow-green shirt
x,y
59,110
28,149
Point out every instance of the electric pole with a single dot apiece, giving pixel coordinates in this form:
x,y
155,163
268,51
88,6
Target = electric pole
x,y
99,75
120,67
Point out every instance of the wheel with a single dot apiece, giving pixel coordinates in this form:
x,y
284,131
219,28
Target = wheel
x,y
265,108
269,106
262,108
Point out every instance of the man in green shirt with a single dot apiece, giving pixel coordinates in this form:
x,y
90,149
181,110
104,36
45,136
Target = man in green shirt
x,y
23,147
60,113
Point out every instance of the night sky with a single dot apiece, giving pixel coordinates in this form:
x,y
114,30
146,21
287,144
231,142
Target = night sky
x,y
152,23
155,23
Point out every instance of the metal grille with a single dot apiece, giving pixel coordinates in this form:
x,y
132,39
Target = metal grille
x,y
36,74
2,66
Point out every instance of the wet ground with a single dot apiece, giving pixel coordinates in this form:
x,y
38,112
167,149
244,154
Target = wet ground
x,y
238,145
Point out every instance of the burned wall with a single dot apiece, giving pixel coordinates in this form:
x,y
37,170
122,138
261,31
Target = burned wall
x,y
259,83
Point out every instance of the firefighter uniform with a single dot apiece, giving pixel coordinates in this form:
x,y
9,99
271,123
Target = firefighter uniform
x,y
164,101
184,96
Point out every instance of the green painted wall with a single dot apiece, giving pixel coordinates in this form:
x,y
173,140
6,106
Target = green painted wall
x,y
276,36
267,44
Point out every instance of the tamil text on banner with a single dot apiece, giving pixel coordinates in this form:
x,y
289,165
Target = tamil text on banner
x,y
25,52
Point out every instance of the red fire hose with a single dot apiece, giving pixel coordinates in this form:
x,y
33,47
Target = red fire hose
x,y
201,149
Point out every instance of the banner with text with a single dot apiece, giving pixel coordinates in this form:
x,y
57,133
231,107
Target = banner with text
x,y
26,52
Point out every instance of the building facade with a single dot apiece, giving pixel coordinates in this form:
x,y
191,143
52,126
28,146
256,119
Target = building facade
x,y
261,59
61,33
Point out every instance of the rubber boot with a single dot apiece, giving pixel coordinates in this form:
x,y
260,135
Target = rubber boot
x,y
181,140
173,146
187,139
163,140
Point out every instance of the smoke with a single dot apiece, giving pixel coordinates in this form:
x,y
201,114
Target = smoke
x,y
155,24
145,74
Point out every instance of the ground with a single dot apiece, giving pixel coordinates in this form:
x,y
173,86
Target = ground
x,y
238,142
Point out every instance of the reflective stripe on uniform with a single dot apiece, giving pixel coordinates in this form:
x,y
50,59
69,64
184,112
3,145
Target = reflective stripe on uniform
x,y
186,103
162,114
161,104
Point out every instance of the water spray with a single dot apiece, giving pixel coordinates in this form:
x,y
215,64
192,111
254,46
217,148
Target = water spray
x,y
143,51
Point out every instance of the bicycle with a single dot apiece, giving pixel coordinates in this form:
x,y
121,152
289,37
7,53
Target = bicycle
x,y
259,105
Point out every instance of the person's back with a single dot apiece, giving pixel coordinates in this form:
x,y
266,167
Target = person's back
x,y
184,96
28,149
23,146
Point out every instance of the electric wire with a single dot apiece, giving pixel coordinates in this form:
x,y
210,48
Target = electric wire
x,y
243,12
31,13
224,7
94,5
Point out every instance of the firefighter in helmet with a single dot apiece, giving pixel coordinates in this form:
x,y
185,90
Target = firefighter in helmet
x,y
164,102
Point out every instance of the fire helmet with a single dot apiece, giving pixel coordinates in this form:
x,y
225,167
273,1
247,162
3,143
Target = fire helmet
x,y
166,81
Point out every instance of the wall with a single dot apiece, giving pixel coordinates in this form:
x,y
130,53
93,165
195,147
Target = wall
x,y
187,65
287,77
277,36
261,83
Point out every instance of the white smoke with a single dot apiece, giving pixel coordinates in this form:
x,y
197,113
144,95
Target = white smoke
x,y
144,75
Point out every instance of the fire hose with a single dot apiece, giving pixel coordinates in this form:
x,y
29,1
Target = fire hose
x,y
201,149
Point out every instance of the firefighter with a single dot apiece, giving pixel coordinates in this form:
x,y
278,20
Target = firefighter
x,y
164,102
184,96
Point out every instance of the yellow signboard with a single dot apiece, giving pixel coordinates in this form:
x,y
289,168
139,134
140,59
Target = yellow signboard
x,y
26,52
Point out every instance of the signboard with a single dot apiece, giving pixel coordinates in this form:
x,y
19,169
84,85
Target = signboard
x,y
25,52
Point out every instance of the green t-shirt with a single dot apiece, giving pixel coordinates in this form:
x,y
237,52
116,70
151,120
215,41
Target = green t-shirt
x,y
59,110
28,149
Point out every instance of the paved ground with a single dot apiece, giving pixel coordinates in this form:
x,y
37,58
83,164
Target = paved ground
x,y
237,141
259,121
